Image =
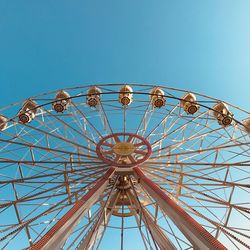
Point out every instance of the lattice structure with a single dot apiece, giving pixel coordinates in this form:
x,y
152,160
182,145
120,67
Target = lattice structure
x,y
84,167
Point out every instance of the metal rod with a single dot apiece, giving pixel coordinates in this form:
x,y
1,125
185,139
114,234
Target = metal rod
x,y
195,233
59,233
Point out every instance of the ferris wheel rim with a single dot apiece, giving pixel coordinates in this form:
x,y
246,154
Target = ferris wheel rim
x,y
161,85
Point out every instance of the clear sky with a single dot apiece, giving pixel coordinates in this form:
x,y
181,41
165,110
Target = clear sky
x,y
200,45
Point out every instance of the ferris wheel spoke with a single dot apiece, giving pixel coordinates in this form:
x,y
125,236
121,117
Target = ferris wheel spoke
x,y
107,144
4,160
95,233
86,129
181,184
212,198
199,170
53,162
136,201
235,140
132,159
208,210
244,153
62,203
31,220
29,147
78,132
202,168
84,170
140,152
243,163
144,238
53,135
83,230
38,234
72,215
130,138
186,186
38,168
194,211
47,149
87,120
159,237
201,137
143,121
176,145
178,128
199,177
36,196
138,220
19,227
106,118
164,120
203,150
155,192
38,174
180,240
116,138
219,225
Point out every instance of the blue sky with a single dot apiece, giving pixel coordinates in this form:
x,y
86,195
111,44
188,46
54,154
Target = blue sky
x,y
197,45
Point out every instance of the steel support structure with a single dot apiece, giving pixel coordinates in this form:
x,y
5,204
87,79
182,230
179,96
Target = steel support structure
x,y
59,233
199,237
157,234
99,226
94,232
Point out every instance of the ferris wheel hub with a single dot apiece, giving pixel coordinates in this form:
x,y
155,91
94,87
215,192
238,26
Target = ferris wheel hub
x,y
124,150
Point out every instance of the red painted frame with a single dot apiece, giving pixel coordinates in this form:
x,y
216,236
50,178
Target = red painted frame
x,y
195,225
49,235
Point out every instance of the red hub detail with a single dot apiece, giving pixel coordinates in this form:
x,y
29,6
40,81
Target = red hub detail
x,y
123,149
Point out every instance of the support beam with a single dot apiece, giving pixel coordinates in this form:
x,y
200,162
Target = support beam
x,y
59,233
159,236
194,232
161,239
95,231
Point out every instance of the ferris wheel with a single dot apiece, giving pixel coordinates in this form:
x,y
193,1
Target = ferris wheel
x,y
125,166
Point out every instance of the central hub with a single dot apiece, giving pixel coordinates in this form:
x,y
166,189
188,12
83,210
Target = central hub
x,y
123,149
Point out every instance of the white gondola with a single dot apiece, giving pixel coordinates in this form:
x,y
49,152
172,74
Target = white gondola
x,y
222,114
28,111
189,104
62,101
246,124
157,97
93,97
126,95
3,122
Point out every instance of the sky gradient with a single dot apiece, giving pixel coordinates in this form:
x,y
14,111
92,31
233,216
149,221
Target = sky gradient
x,y
197,45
